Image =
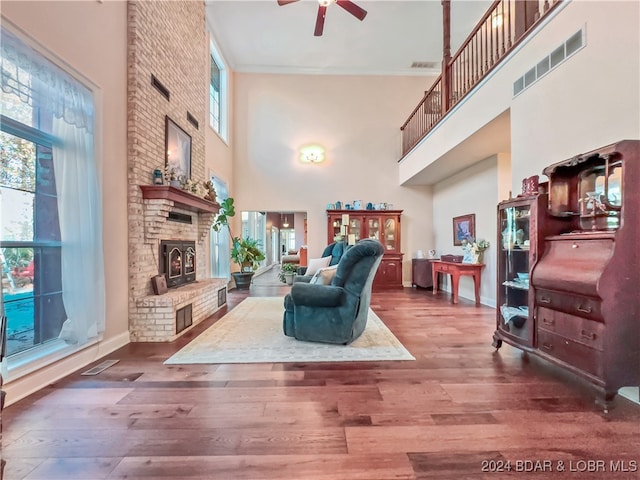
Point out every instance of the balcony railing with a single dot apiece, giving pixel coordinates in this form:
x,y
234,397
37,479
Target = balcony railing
x,y
504,25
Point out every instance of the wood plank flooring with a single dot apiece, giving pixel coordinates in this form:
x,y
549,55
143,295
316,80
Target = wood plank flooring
x,y
460,410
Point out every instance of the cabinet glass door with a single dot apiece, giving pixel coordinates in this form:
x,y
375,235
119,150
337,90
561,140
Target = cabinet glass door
x,y
513,271
373,228
355,227
390,227
335,225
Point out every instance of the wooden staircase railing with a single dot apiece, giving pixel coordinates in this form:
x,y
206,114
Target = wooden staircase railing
x,y
500,29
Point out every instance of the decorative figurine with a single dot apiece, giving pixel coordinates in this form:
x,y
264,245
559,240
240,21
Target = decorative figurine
x,y
211,192
157,177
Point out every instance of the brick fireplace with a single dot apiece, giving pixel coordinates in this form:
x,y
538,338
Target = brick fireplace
x,y
167,45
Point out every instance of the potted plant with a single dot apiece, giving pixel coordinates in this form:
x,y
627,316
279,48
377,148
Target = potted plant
x,y
287,272
171,176
245,252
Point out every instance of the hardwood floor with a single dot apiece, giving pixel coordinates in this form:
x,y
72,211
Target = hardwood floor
x,y
459,411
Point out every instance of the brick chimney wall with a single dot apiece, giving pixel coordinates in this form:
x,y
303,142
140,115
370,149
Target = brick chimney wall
x,y
166,39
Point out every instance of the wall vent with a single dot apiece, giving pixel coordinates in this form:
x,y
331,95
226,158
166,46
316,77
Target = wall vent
x,y
160,87
551,61
222,296
424,65
193,121
184,318
180,218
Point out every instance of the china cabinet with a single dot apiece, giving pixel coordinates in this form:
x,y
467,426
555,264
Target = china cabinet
x,y
382,225
580,309
523,223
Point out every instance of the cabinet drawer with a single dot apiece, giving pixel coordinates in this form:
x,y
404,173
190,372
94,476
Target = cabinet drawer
x,y
573,353
577,329
443,268
578,305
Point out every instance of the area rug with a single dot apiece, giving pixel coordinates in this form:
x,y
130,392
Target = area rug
x,y
252,333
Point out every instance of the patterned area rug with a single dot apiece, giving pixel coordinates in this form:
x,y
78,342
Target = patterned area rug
x,y
252,333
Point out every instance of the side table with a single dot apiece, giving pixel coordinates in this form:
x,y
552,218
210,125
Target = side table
x,y
456,270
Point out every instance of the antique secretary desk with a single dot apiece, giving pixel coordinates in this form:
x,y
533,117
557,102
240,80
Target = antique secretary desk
x,y
569,269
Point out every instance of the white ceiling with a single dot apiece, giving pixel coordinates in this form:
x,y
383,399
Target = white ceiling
x,y
261,36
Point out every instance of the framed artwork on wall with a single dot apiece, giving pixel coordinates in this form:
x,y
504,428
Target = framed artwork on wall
x,y
177,149
464,228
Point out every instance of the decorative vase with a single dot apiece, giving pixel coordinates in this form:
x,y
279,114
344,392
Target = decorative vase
x,y
476,257
242,279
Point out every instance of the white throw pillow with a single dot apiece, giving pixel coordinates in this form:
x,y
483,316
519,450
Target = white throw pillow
x,y
316,264
324,275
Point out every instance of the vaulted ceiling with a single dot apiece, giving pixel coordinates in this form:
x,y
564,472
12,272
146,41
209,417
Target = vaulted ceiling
x,y
261,36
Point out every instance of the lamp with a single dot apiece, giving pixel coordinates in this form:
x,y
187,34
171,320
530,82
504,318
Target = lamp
x,y
312,154
285,224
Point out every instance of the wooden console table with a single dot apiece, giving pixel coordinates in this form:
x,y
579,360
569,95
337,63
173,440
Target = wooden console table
x,y
456,270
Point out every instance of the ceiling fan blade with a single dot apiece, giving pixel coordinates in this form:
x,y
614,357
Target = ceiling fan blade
x,y
286,2
322,11
352,8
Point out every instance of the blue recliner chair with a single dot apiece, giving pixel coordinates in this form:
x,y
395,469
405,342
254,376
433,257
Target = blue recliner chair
x,y
335,313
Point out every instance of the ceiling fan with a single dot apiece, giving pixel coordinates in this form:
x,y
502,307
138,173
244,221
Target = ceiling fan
x,y
348,5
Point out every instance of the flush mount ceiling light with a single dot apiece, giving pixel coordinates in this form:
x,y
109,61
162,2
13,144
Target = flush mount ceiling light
x,y
312,154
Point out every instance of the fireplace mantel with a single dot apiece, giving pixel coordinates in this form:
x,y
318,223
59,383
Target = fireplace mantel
x,y
181,198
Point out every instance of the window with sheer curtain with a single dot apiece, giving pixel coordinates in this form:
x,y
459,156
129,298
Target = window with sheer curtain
x,y
51,254
220,249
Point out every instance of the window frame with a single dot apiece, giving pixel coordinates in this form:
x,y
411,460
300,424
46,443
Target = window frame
x,y
223,95
35,361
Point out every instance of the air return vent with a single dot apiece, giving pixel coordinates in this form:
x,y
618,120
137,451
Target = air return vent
x,y
424,65
193,121
160,87
551,61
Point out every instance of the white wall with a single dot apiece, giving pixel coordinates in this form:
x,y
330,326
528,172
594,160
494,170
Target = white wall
x,y
589,101
356,119
92,38
476,190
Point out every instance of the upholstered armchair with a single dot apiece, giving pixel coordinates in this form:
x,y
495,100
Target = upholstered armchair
x,y
335,313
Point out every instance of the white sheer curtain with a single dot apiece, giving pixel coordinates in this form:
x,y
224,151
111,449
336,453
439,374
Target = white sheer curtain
x,y
39,83
80,213
36,81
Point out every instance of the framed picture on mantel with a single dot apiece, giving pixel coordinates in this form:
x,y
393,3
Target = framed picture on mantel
x,y
177,149
464,228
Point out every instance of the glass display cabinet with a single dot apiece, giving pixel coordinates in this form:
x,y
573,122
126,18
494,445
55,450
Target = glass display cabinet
x,y
381,225
523,224
514,266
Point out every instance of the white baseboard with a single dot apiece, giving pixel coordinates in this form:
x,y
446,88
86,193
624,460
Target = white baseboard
x,y
31,383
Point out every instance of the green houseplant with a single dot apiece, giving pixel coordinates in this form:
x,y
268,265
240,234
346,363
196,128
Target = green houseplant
x,y
287,272
245,252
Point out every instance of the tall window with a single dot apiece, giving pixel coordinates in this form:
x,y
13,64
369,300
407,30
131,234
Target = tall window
x,y
218,94
51,224
220,242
